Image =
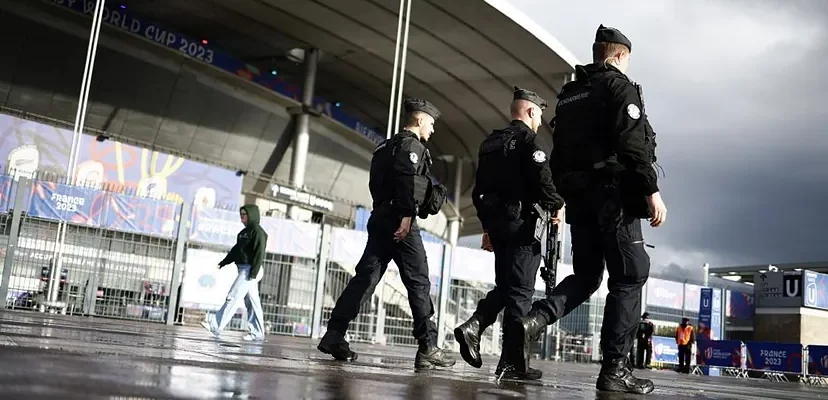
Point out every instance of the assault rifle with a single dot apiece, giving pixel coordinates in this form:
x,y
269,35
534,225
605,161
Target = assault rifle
x,y
553,247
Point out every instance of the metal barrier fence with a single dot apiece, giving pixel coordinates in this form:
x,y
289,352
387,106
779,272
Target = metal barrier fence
x,y
776,362
106,270
74,266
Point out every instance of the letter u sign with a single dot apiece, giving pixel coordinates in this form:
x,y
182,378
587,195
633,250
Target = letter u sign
x,y
792,286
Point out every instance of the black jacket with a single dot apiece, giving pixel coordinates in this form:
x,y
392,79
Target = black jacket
x,y
251,243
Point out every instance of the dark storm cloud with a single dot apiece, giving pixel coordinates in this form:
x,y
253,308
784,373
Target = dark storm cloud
x,y
737,93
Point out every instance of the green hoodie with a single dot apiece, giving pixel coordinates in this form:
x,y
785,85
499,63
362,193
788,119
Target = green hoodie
x,y
251,243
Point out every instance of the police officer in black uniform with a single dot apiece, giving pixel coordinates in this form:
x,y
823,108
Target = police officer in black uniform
x,y
644,342
512,176
602,160
401,186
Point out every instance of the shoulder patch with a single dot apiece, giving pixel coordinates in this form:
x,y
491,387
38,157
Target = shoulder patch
x,y
539,156
633,111
413,157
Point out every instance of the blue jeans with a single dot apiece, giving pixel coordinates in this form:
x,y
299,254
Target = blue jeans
x,y
248,291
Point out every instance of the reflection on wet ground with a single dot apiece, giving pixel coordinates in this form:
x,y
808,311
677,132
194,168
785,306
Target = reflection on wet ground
x,y
48,356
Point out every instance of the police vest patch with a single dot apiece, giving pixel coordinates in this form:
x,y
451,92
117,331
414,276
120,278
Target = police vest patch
x,y
633,111
413,157
539,156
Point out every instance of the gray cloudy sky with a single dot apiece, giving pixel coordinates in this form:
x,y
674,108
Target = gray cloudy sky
x,y
736,92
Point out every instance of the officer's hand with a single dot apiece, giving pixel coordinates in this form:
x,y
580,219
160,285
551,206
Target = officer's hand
x,y
485,243
658,211
556,218
402,231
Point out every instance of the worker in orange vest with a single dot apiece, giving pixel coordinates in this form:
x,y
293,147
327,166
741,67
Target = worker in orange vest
x,y
685,337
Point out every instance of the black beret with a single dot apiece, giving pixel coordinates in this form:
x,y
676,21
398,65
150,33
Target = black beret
x,y
611,35
523,94
412,105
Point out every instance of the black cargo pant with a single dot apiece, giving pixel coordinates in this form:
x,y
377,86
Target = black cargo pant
x,y
410,257
684,351
644,353
517,260
621,246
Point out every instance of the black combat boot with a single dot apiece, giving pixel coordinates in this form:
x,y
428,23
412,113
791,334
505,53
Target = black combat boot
x,y
430,356
334,343
508,371
616,376
529,329
468,337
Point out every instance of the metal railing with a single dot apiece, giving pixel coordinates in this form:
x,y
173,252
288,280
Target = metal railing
x,y
109,271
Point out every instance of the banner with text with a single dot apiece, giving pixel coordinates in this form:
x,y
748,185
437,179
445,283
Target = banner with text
x,y
816,290
716,327
818,360
90,207
719,353
710,314
201,51
665,350
67,203
705,315
776,357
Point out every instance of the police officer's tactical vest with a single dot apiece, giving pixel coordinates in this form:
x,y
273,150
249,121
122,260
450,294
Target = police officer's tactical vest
x,y
381,161
381,181
582,121
499,164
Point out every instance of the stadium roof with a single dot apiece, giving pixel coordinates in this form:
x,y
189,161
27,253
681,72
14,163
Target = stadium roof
x,y
464,56
745,273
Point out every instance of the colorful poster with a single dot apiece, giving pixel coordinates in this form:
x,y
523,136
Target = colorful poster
x,y
816,290
62,202
140,215
776,357
28,146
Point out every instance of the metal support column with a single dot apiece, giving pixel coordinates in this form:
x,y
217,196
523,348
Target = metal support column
x,y
398,77
379,333
77,131
298,163
706,274
11,246
178,264
448,256
321,274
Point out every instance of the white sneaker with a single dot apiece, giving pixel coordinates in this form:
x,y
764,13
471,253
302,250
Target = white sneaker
x,y
209,328
249,338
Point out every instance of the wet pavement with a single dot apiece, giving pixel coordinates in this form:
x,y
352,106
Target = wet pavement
x,y
60,357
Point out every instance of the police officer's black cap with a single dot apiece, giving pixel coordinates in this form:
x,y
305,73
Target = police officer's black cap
x,y
523,94
611,35
645,315
413,105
